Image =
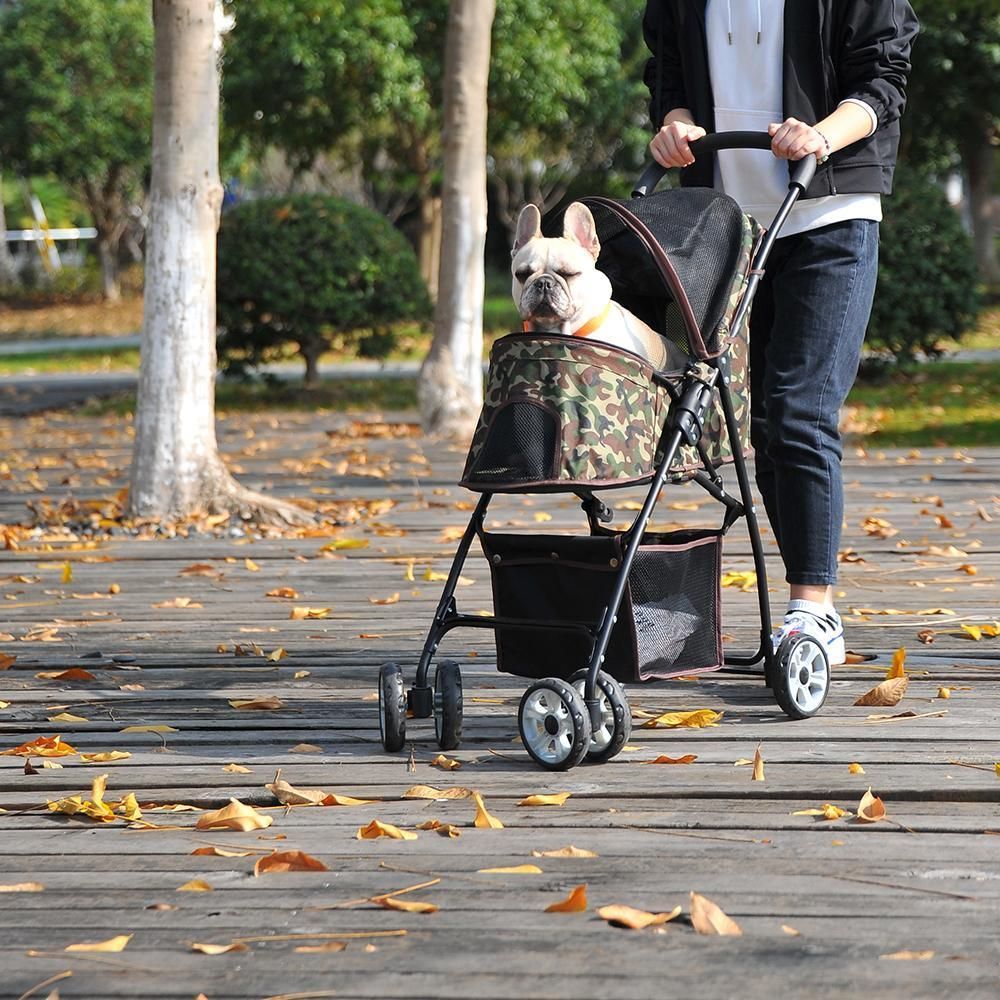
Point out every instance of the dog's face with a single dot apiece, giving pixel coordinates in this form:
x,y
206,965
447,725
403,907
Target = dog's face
x,y
556,285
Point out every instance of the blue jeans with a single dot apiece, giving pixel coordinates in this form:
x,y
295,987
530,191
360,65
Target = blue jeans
x,y
806,330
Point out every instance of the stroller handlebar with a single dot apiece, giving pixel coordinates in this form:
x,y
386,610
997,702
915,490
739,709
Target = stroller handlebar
x,y
802,174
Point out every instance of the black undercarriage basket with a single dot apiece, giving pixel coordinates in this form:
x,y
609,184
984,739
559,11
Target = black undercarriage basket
x,y
669,622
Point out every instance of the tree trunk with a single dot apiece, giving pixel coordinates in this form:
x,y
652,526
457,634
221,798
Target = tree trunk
x,y
429,243
8,271
107,254
980,158
451,378
311,351
176,468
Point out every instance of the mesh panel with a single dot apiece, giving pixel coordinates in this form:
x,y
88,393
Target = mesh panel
x,y
700,231
521,446
675,604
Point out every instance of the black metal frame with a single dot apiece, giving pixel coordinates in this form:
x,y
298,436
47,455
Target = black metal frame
x,y
683,425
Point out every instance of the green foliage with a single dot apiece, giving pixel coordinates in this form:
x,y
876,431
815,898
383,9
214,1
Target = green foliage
x,y
75,87
312,271
927,273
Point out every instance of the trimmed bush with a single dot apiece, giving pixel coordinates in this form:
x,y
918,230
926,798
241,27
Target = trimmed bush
x,y
927,273
316,272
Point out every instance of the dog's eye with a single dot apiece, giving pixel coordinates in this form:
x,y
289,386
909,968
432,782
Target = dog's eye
x,y
522,274
568,274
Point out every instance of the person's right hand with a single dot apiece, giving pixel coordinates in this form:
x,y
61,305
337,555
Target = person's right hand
x,y
670,145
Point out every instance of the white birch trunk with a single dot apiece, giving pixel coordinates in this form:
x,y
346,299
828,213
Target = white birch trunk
x,y
451,378
176,468
8,272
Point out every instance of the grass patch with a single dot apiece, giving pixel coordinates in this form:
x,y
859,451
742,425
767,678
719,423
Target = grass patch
x,y
83,361
940,403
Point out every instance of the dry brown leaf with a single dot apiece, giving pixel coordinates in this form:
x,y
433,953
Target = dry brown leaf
x,y
708,918
251,565
854,768
67,717
218,949
575,902
920,956
7,661
758,766
221,852
72,674
791,931
376,828
443,829
318,949
269,703
43,746
446,763
886,694
288,861
391,599
195,885
305,748
944,692
301,614
556,799
483,820
236,769
288,593
288,795
620,915
898,668
827,811
178,602
116,943
276,655
688,758
23,887
565,852
871,808
235,816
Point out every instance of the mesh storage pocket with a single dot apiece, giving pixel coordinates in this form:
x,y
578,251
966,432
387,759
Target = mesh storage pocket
x,y
674,583
521,444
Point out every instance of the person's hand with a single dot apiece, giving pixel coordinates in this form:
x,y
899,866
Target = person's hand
x,y
670,145
792,140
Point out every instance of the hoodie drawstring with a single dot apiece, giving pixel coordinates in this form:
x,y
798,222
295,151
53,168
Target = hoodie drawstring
x,y
729,14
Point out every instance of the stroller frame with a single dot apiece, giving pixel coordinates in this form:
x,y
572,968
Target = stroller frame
x,y
799,659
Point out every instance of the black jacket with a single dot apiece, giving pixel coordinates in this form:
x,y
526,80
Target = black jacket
x,y
834,49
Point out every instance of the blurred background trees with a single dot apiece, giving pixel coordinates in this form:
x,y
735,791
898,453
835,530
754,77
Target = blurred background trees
x,y
344,98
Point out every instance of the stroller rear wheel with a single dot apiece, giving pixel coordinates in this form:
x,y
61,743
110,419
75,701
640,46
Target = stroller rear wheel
x,y
391,707
800,676
554,724
448,705
616,716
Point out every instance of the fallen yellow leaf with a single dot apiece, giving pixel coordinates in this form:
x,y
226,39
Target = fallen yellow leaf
x,y
105,757
565,852
430,792
345,543
944,692
67,572
557,799
318,949
376,828
67,717
276,655
220,852
688,758
442,829
697,719
236,769
218,949
305,748
746,580
974,631
269,703
791,931
251,565
855,769
195,885
446,763
301,614
575,902
483,820
628,916
827,811
116,943
405,906
920,956
898,668
235,816
149,729
23,887
708,918
72,674
289,795
392,599
758,766
512,870
288,593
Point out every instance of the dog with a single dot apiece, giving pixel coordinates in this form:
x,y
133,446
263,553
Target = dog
x,y
558,289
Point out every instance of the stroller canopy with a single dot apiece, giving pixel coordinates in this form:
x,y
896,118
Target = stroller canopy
x,y
677,259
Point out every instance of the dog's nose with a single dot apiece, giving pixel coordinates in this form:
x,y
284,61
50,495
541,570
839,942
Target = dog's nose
x,y
545,282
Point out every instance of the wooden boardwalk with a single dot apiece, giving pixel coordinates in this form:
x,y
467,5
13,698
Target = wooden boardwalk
x,y
823,905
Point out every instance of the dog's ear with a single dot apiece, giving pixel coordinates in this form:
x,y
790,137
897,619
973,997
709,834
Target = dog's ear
x,y
529,226
579,226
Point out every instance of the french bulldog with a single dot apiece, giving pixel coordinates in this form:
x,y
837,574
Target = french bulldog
x,y
558,289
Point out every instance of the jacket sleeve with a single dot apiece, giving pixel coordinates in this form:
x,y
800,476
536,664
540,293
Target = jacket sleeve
x,y
663,72
874,55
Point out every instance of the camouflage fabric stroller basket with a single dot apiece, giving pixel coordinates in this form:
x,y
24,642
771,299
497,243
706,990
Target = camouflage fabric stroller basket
x,y
564,413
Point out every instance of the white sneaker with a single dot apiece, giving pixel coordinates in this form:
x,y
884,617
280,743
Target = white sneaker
x,y
818,622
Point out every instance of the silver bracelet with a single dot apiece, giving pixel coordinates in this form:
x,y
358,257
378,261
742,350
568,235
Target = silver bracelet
x,y
826,142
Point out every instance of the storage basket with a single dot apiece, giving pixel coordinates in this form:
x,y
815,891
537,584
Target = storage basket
x,y
669,619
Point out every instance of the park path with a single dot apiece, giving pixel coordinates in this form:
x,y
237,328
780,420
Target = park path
x,y
824,906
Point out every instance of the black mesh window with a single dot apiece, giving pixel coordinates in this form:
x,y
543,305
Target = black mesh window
x,y
520,444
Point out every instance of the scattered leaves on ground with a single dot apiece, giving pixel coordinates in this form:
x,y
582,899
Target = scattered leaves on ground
x,y
288,861
871,809
708,918
619,915
565,852
556,799
697,719
512,870
688,758
483,820
376,828
116,943
888,693
575,902
235,816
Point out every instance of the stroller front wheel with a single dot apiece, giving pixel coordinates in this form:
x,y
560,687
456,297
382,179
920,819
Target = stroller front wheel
x,y
448,705
801,676
554,724
391,707
616,716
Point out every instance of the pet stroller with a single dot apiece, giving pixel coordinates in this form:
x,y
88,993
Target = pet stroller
x,y
581,615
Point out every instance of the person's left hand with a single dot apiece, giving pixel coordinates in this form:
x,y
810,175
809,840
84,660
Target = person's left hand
x,y
792,139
